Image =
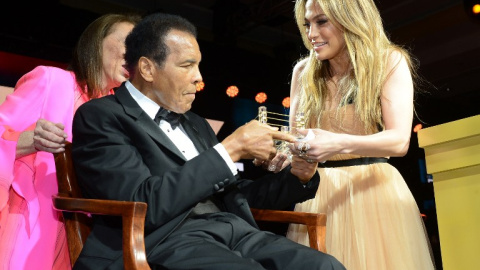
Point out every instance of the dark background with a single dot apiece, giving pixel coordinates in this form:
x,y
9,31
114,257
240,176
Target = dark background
x,y
254,44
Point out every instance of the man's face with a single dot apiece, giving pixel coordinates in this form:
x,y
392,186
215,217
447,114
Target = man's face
x,y
174,84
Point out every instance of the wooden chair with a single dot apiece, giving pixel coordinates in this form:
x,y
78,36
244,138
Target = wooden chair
x,y
76,211
316,223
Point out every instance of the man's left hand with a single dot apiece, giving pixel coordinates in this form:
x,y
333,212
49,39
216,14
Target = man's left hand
x,y
302,169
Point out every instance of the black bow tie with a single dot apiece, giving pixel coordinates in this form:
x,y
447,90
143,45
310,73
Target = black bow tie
x,y
171,117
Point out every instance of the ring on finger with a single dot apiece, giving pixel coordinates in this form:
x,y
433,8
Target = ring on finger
x,y
309,160
301,146
272,167
306,147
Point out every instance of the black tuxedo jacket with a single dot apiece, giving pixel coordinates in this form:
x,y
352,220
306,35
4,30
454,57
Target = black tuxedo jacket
x,y
120,153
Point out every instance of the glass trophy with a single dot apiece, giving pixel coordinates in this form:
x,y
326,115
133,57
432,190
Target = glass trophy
x,y
278,120
299,124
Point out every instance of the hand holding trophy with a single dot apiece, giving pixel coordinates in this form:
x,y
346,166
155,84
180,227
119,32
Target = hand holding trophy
x,y
284,155
282,146
263,117
279,121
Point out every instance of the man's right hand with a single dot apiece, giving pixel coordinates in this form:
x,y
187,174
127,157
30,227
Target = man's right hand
x,y
254,140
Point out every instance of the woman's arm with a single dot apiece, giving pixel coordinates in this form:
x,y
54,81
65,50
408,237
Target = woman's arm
x,y
21,113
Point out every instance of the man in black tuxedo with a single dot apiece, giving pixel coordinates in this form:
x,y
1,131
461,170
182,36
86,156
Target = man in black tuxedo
x,y
130,146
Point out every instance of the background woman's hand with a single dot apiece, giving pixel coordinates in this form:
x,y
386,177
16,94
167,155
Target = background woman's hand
x,y
49,136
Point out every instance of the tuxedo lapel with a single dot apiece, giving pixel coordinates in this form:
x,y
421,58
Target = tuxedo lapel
x,y
152,129
192,132
144,121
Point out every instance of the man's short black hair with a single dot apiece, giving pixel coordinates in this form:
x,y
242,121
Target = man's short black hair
x,y
148,38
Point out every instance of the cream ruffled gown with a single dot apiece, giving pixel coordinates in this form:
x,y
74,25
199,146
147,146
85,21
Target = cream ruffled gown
x,y
373,222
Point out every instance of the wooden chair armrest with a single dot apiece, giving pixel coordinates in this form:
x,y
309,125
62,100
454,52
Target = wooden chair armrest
x,y
133,220
316,223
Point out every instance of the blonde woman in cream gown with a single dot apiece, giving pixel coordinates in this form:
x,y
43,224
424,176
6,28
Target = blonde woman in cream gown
x,y
355,89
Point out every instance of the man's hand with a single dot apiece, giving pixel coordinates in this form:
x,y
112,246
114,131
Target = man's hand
x,y
303,169
278,163
254,140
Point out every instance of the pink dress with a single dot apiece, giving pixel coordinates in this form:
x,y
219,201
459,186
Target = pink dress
x,y
31,232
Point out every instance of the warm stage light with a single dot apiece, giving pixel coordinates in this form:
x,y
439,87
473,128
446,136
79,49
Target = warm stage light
x,y
286,102
476,9
472,8
261,97
200,86
232,91
417,128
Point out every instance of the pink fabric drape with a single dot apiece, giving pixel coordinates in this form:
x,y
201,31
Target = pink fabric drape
x,y
31,231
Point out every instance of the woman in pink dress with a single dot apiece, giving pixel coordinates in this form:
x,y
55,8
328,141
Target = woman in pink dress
x,y
35,121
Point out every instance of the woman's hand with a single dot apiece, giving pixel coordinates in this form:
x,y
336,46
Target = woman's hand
x,y
47,136
319,148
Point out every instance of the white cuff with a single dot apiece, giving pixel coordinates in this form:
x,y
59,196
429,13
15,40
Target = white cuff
x,y
224,154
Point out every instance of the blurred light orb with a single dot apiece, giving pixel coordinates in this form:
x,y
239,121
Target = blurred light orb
x,y
200,86
476,9
232,91
261,97
417,128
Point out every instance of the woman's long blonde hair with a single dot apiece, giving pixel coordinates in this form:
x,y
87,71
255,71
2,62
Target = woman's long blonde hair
x,y
368,51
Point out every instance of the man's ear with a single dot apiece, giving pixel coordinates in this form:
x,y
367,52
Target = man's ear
x,y
146,68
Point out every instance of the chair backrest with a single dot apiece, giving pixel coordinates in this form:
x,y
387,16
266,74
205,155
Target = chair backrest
x,y
77,225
